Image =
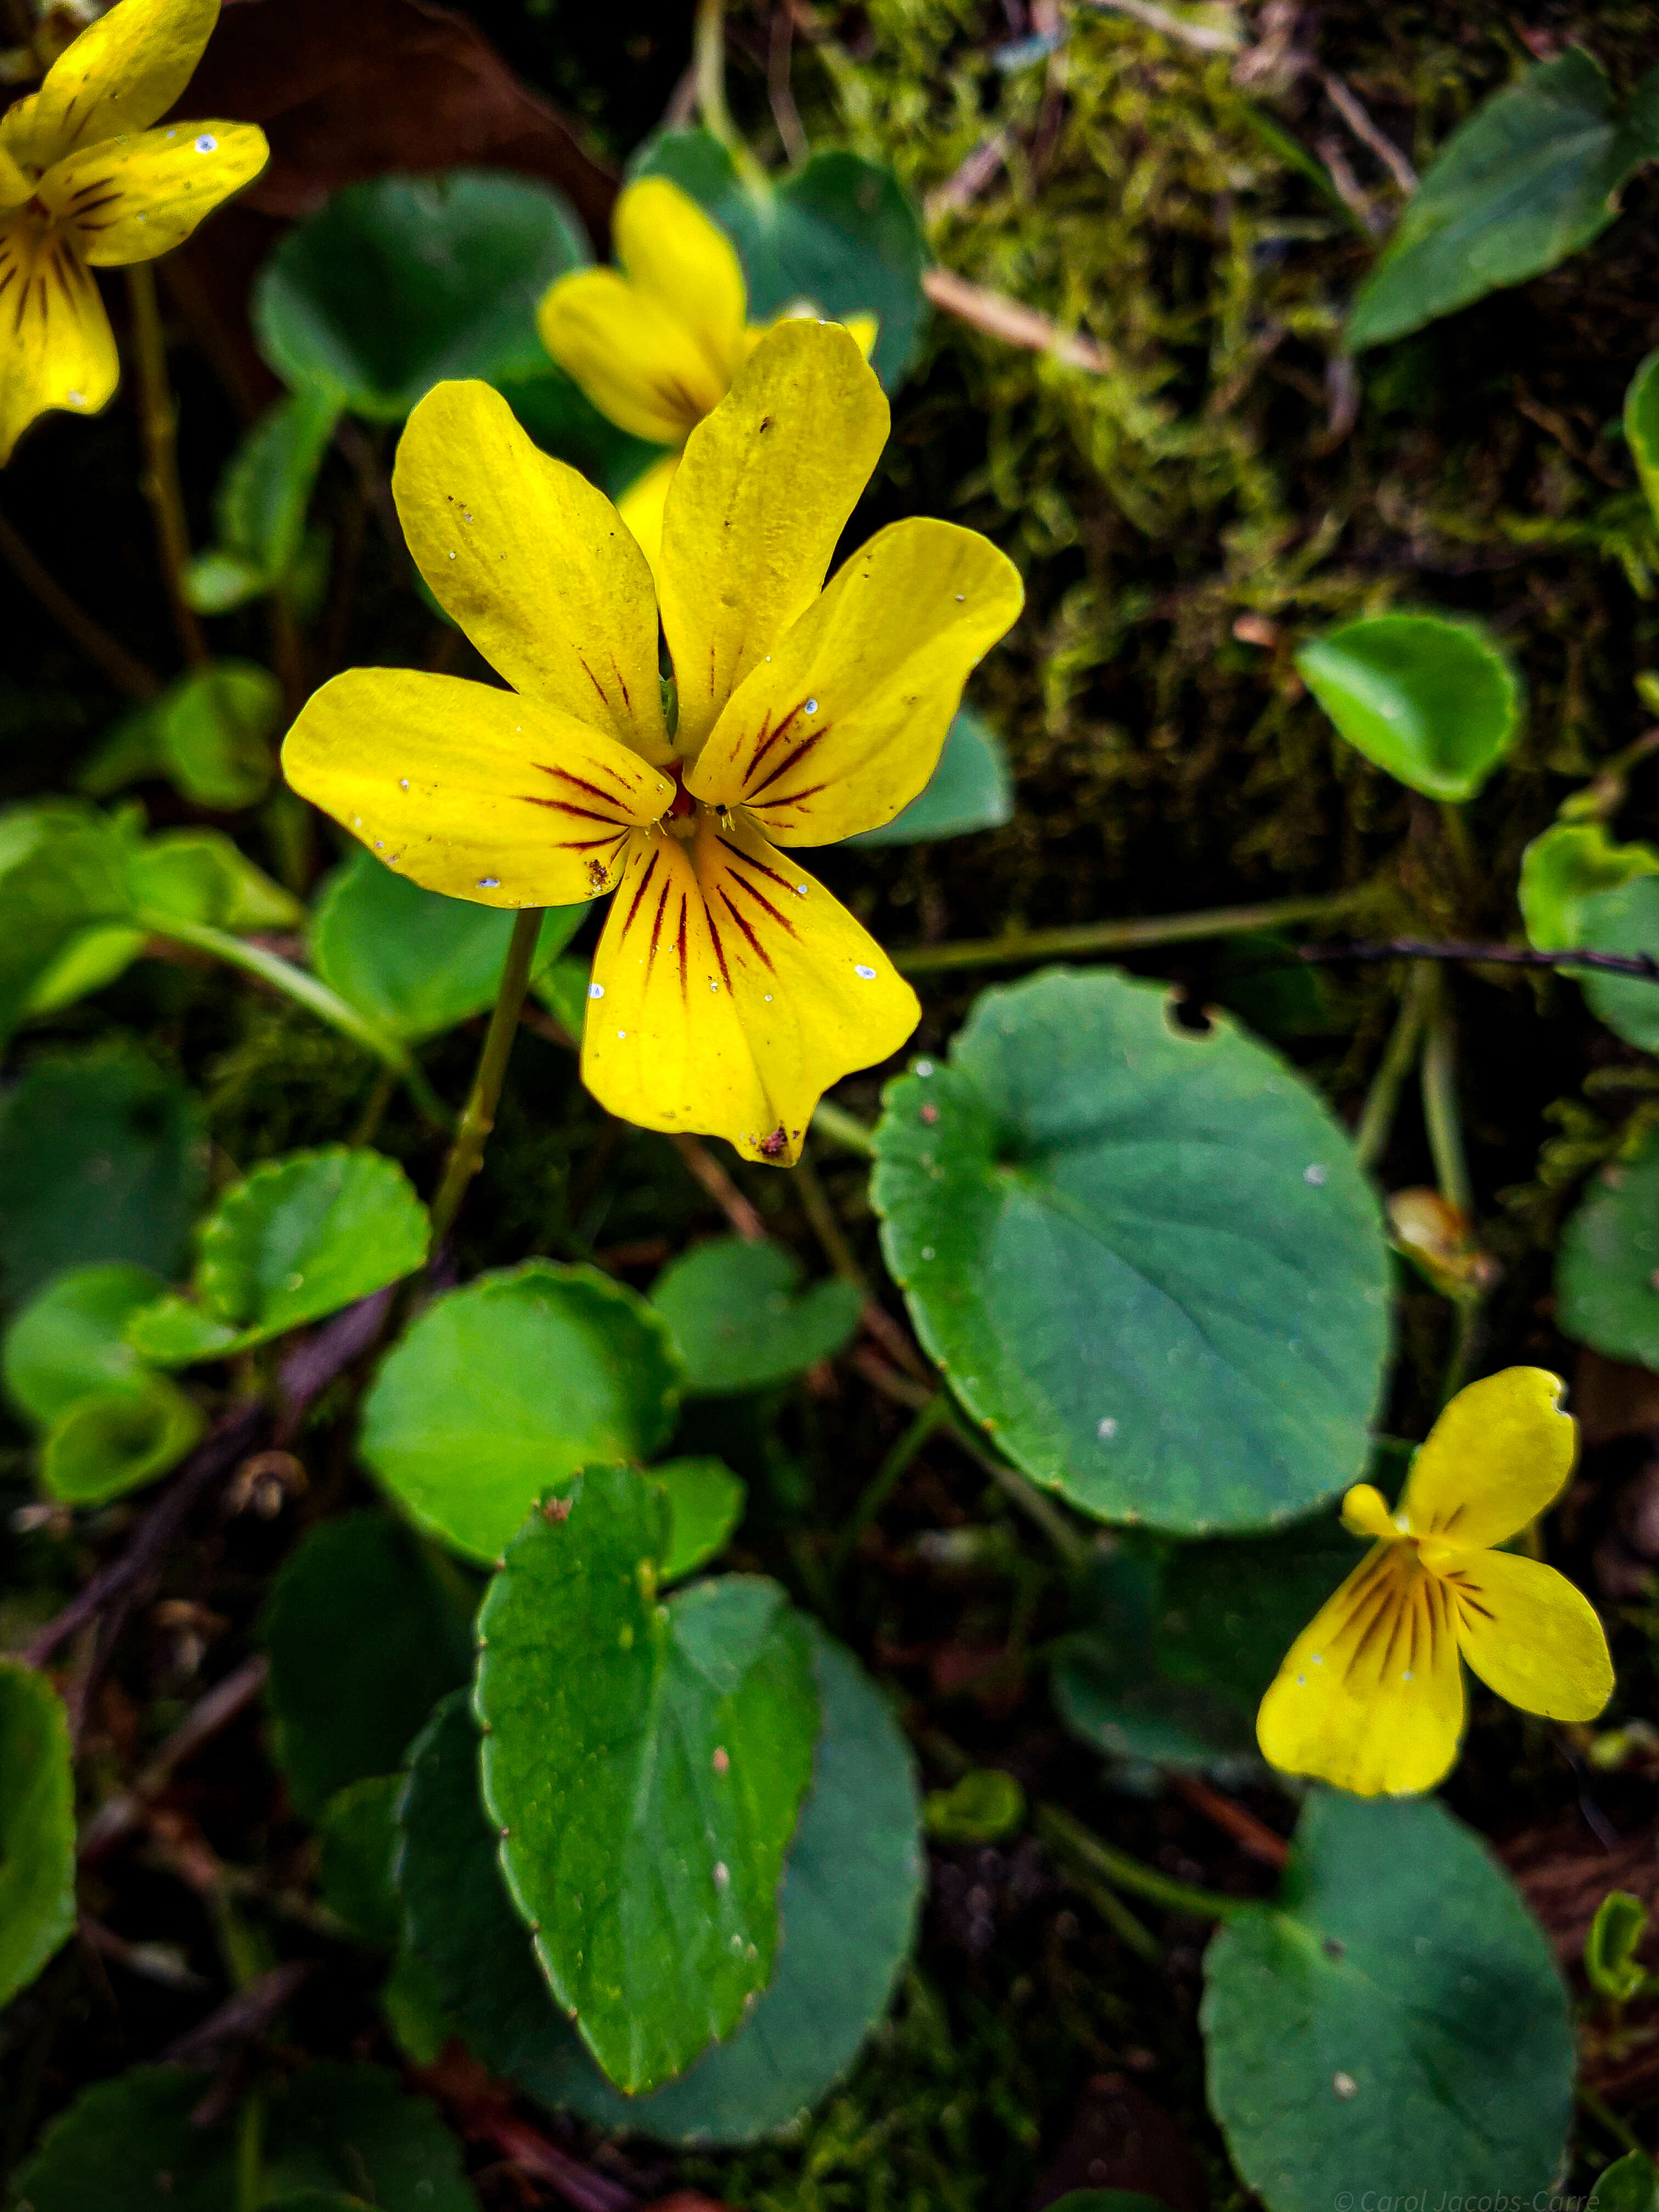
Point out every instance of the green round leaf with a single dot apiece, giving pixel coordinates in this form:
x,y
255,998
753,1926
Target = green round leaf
x,y
845,1913
102,1156
1532,176
839,232
1642,427
37,1826
970,789
1629,2184
260,505
705,1505
414,962
198,875
213,731
1436,702
1398,2017
128,2145
1608,1265
645,1765
68,1340
1564,868
118,1439
740,1321
1623,920
510,1385
366,1632
1144,1258
299,1237
62,870
404,281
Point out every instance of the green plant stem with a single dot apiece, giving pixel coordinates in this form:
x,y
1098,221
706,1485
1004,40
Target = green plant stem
x,y
478,1115
1118,1917
1370,1139
710,55
1598,2110
1440,1107
1071,1840
1020,947
815,1204
887,1478
1072,1548
306,991
160,421
837,1127
125,671
250,2152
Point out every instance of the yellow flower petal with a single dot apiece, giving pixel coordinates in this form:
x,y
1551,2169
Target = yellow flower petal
x,y
1531,1635
641,504
130,199
735,991
755,510
1499,1454
476,793
632,356
1365,1513
673,252
843,723
533,563
15,186
120,73
1370,1695
59,349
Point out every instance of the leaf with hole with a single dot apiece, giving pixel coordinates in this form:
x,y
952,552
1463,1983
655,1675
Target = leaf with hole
x,y
366,1631
1533,175
37,1826
402,281
412,960
103,1156
1398,2015
299,1237
507,1387
845,1911
741,1319
1145,1257
645,1765
969,790
1435,702
839,234
128,2144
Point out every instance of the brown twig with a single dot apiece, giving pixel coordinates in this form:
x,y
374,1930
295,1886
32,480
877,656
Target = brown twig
x,y
1644,966
124,670
1252,1836
1013,322
123,1812
1343,100
241,2019
158,420
1199,36
707,1171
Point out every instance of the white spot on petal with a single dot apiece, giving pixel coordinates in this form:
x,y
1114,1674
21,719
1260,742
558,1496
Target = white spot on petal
x,y
596,990
207,143
489,883
810,708
622,1037
403,783
77,398
865,975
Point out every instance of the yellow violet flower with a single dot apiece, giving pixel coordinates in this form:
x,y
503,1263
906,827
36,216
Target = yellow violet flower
x,y
1370,1695
85,185
656,341
729,989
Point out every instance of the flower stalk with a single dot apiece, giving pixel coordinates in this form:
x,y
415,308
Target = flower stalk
x,y
478,1115
159,418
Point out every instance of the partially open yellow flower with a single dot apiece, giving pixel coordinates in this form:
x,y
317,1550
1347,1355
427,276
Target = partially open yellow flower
x,y
729,989
656,341
84,184
1370,1696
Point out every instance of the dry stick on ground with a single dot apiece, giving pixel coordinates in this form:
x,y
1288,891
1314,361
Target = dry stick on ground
x,y
1644,966
123,1812
1343,100
1200,36
1252,1836
707,1170
1013,322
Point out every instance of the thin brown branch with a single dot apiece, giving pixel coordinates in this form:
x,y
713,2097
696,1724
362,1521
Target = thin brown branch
x,y
1201,37
1644,966
707,1170
1343,100
123,1812
1252,1837
242,2018
1016,324
124,670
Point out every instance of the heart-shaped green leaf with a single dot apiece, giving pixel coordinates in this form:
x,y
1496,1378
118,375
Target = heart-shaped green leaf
x,y
129,2145
1569,864
970,789
1145,1257
366,1631
102,1156
299,1237
114,1440
37,1826
1436,702
846,1910
1399,2015
508,1386
740,1321
414,962
1533,176
1609,1261
839,232
645,1765
404,281
69,1339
